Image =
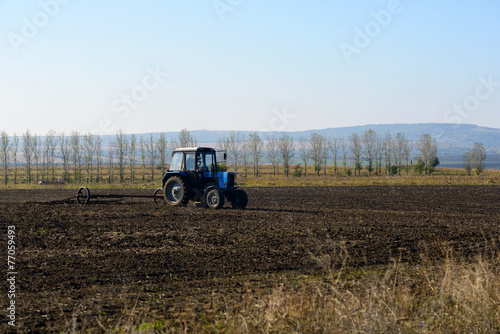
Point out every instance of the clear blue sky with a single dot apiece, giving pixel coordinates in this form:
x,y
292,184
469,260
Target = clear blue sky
x,y
153,66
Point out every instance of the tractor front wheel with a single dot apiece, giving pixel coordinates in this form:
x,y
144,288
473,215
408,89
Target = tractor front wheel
x,y
214,199
176,192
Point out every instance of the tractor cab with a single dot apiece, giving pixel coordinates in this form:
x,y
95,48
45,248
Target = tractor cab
x,y
195,174
194,159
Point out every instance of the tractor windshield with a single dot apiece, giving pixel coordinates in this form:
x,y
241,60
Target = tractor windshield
x,y
176,161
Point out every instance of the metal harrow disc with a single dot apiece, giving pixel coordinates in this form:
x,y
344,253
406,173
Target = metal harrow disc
x,y
83,195
158,197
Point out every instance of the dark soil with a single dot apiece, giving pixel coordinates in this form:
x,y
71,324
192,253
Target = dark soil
x,y
89,265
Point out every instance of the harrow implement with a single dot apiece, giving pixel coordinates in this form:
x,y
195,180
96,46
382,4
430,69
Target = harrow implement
x,y
83,196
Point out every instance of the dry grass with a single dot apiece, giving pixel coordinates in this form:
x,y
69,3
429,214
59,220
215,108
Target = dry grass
x,y
404,180
442,176
266,178
448,295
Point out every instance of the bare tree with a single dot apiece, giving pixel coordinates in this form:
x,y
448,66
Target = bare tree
x,y
28,148
126,151
388,151
5,147
76,155
142,153
42,157
132,151
370,146
324,155
173,143
14,148
399,149
152,154
65,154
272,151
111,153
407,152
45,161
121,143
186,139
379,154
343,145
234,146
256,147
478,157
334,147
355,148
221,143
245,154
98,156
51,143
161,145
304,152
316,150
37,143
286,150
88,154
428,152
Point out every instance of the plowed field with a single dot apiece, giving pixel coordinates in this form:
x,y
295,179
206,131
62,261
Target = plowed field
x,y
92,265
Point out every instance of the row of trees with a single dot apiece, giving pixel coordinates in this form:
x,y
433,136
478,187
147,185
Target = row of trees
x,y
382,154
85,157
86,154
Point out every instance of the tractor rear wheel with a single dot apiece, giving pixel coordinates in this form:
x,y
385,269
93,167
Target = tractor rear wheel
x,y
176,192
214,199
240,199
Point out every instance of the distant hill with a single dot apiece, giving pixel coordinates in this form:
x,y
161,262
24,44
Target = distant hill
x,y
451,138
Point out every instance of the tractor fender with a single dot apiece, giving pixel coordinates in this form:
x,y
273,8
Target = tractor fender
x,y
209,187
168,175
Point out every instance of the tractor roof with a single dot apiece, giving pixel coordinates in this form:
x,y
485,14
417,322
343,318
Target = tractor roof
x,y
193,149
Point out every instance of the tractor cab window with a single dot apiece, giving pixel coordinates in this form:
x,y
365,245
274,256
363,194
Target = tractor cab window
x,y
190,161
176,161
204,161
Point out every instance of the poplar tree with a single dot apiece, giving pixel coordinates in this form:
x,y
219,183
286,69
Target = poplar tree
x,y
286,149
355,148
256,145
5,148
64,148
272,151
334,147
369,148
28,148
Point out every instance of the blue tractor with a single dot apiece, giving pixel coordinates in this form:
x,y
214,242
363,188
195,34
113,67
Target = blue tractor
x,y
195,175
